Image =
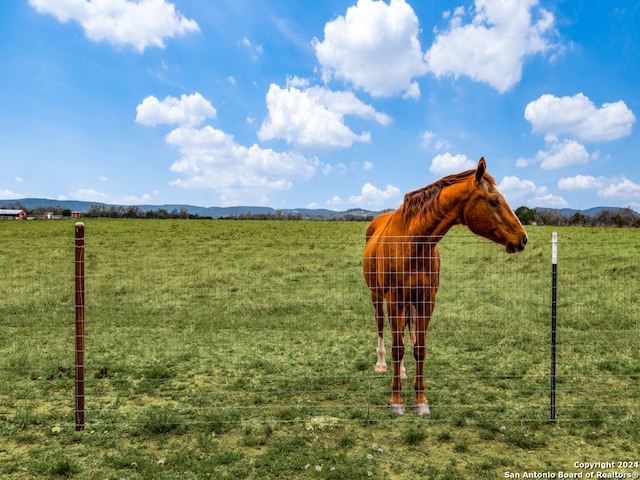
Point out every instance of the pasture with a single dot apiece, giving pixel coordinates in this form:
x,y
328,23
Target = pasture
x,y
246,349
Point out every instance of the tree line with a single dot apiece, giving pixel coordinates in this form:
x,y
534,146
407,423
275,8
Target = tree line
x,y
624,217
115,211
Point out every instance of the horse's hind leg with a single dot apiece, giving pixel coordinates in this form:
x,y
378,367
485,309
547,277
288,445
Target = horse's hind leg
x,y
418,330
381,363
397,322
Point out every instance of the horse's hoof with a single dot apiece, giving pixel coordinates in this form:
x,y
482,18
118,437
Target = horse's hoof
x,y
403,375
421,409
381,367
397,408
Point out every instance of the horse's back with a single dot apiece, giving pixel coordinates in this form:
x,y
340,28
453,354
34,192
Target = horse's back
x,y
409,264
377,224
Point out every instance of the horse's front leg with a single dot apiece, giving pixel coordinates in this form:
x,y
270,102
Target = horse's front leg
x,y
377,300
397,321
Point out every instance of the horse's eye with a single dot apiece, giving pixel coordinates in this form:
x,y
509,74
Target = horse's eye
x,y
494,202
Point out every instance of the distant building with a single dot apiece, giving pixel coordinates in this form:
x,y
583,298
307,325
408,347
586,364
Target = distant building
x,y
75,214
10,214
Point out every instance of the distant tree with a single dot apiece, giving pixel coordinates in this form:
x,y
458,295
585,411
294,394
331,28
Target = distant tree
x,y
115,212
92,212
550,217
625,217
42,211
526,215
133,212
578,219
183,213
603,218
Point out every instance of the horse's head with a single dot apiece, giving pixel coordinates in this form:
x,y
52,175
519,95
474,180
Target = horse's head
x,y
488,214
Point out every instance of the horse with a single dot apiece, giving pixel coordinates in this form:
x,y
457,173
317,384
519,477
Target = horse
x,y
377,296
402,263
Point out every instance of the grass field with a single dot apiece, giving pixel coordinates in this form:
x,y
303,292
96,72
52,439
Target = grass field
x,y
245,349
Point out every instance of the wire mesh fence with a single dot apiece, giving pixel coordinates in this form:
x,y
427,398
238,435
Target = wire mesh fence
x,y
272,321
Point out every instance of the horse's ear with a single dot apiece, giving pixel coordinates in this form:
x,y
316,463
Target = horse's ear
x,y
482,167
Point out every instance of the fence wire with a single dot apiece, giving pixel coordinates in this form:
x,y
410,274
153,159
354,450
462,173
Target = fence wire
x,y
277,324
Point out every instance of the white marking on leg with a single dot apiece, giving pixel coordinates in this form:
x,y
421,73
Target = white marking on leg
x,y
381,364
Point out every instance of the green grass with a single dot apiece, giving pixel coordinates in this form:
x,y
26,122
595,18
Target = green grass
x,y
245,349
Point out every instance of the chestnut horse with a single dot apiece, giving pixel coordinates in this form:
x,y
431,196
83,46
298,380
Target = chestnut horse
x,y
402,264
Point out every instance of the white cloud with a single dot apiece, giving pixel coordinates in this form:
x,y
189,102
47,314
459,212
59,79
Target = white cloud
x,y
254,50
9,195
546,199
335,201
559,154
190,110
580,182
618,188
562,154
577,115
211,159
90,195
367,165
446,163
141,23
342,168
431,140
427,139
517,191
297,82
492,48
315,117
372,196
621,189
93,195
375,47
514,188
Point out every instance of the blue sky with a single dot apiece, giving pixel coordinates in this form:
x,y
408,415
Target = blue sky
x,y
326,104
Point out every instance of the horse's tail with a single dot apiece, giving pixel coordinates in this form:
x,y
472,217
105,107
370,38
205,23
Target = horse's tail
x,y
412,323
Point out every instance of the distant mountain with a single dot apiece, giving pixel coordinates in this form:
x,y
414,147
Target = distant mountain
x,y
226,212
31,203
590,212
214,212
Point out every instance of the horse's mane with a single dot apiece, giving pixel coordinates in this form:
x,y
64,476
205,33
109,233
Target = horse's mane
x,y
425,201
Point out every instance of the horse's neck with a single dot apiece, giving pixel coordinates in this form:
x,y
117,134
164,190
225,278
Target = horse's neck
x,y
434,226
431,229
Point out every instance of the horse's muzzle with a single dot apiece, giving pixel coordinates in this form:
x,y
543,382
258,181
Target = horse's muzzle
x,y
512,247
